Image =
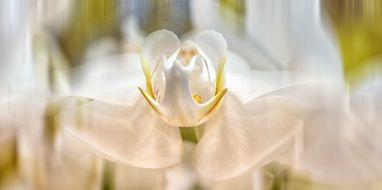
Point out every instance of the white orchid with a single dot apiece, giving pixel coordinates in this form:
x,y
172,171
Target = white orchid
x,y
186,85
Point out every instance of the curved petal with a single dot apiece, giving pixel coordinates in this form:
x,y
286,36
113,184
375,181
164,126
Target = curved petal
x,y
236,63
113,79
365,102
331,154
212,46
157,44
131,135
240,137
366,106
302,100
249,84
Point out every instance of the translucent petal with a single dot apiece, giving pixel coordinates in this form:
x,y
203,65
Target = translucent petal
x,y
131,135
366,106
240,137
329,154
113,79
302,100
343,154
158,80
212,46
158,44
236,63
249,84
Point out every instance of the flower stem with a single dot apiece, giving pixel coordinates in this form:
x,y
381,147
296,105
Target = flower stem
x,y
197,134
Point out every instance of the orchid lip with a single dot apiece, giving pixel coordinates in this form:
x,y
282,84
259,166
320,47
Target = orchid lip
x,y
180,105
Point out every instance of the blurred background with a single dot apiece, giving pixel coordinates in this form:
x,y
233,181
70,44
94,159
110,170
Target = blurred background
x,y
57,35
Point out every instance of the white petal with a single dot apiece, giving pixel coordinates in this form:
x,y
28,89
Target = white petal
x,y
365,102
249,84
303,99
127,177
131,135
213,47
366,105
66,165
295,36
324,113
158,79
157,44
236,63
241,137
329,154
113,79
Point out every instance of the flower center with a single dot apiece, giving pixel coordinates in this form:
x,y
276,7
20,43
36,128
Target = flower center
x,y
180,88
187,52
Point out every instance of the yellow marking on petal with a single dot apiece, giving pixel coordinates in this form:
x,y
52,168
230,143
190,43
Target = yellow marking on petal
x,y
197,98
150,100
81,113
220,76
147,72
209,106
197,134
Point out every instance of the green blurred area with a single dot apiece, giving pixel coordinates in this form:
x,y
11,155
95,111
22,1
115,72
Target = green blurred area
x,y
358,26
283,177
91,20
174,15
8,157
238,6
94,20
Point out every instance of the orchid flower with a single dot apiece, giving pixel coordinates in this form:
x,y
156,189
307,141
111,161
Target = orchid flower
x,y
182,85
